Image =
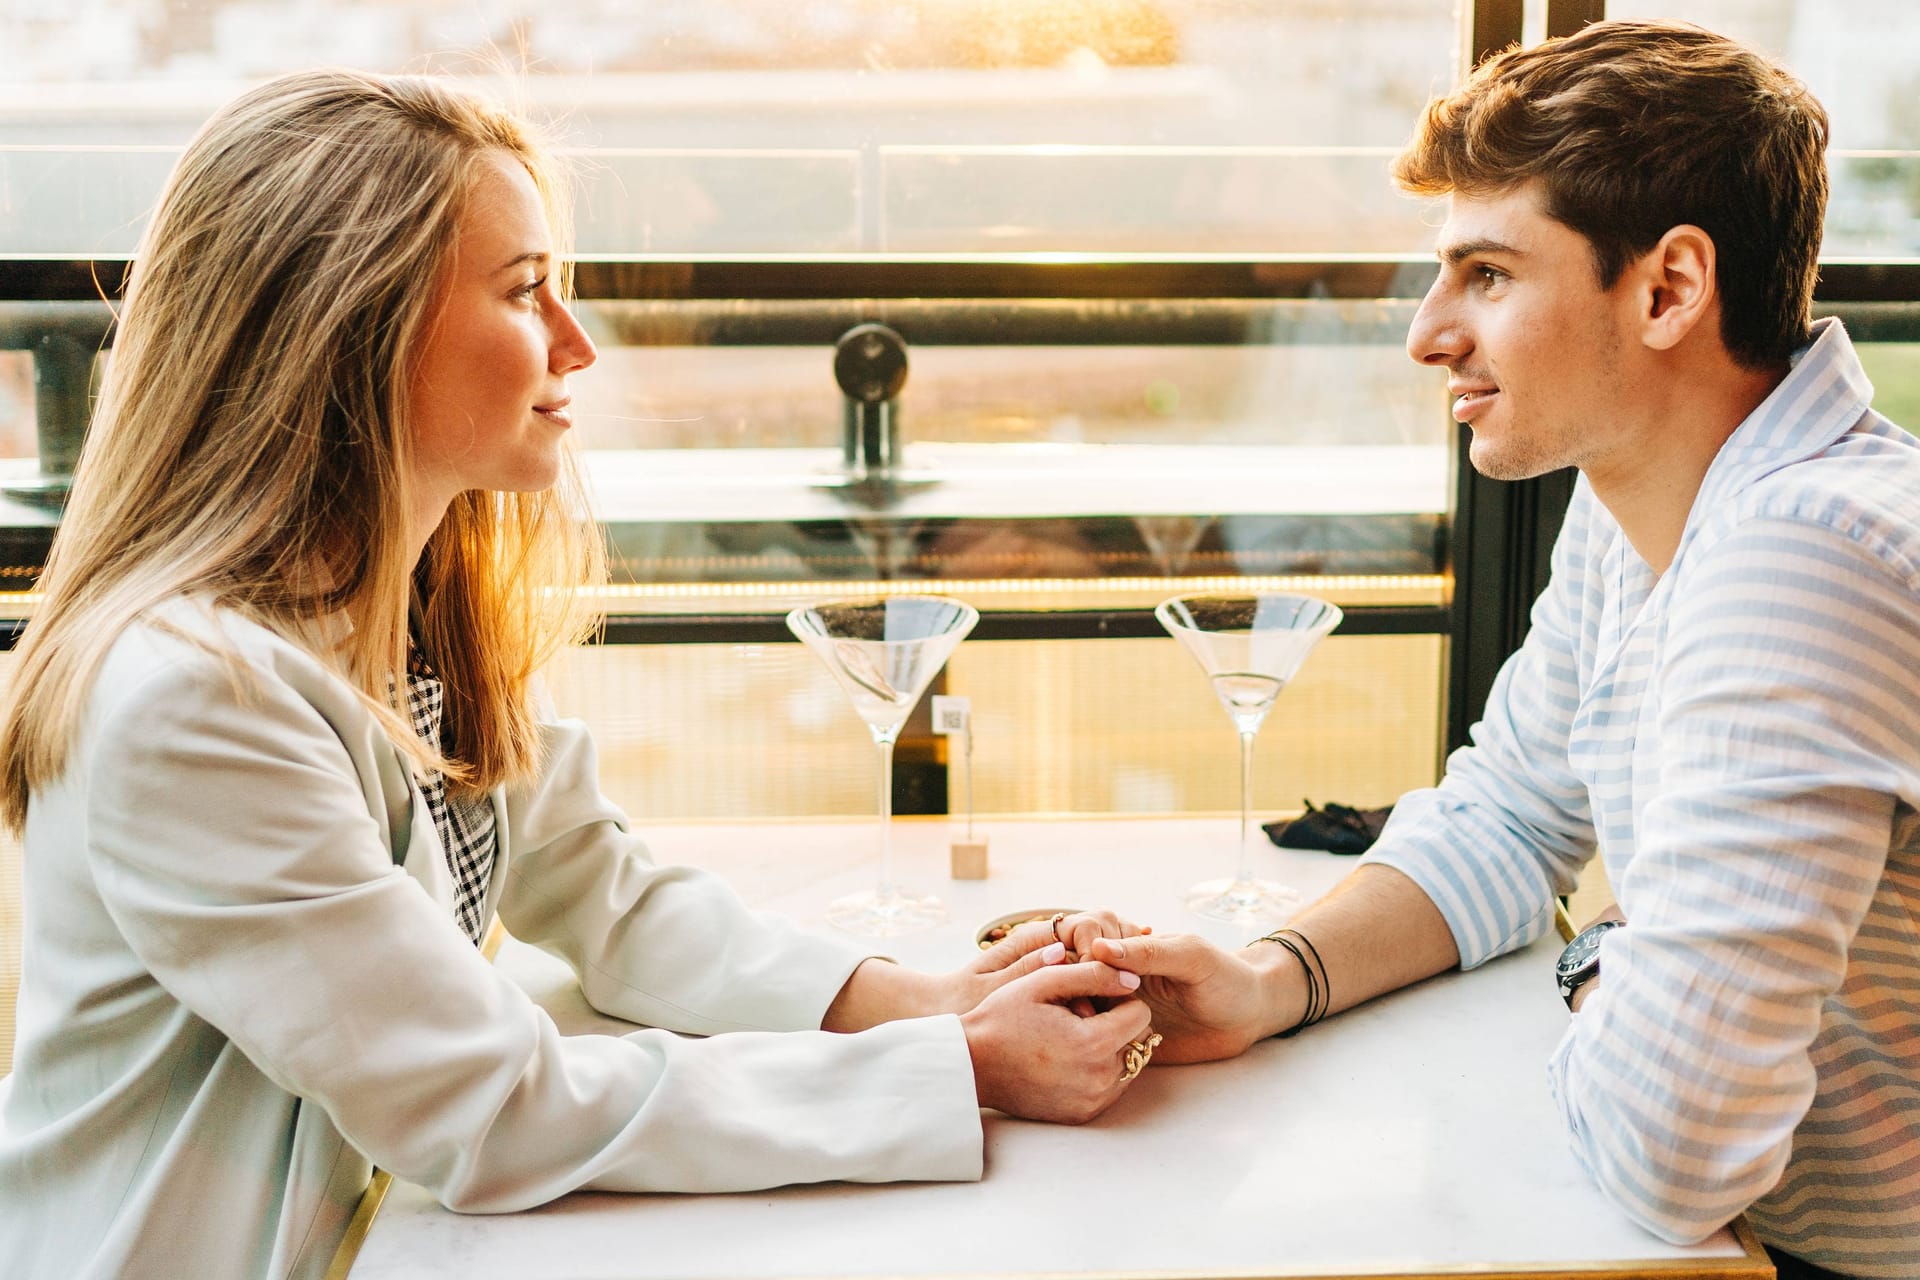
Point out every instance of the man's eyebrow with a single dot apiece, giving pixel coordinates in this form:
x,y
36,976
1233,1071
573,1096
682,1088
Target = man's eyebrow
x,y
1455,254
536,257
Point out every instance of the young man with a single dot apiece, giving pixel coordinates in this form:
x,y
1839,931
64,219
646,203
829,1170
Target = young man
x,y
1721,690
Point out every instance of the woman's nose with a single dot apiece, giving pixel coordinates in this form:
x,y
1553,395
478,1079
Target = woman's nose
x,y
570,349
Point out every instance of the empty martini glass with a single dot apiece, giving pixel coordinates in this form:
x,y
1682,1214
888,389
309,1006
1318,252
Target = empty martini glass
x,y
1250,646
884,653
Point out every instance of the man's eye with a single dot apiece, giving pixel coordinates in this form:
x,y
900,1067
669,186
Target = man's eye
x,y
1490,276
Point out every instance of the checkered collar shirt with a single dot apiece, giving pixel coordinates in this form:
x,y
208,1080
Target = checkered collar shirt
x,y
465,824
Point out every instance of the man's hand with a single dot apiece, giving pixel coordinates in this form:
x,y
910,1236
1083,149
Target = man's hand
x,y
1034,1057
1375,932
1206,1002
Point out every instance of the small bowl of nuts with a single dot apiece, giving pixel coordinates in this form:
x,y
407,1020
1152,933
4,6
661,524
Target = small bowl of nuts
x,y
999,927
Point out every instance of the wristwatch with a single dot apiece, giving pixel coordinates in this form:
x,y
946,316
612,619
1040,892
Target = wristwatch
x,y
1580,962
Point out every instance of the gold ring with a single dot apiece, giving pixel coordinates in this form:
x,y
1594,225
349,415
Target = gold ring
x,y
1139,1054
1058,916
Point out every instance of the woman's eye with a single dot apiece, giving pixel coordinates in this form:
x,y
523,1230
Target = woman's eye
x,y
527,290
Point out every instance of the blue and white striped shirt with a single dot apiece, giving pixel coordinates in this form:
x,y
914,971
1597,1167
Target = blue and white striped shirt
x,y
1740,740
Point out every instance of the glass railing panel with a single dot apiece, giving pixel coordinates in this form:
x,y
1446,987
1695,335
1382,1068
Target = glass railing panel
x,y
1058,728
78,201
636,203
1306,200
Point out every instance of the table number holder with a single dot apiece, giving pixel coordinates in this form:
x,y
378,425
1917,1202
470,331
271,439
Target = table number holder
x,y
953,717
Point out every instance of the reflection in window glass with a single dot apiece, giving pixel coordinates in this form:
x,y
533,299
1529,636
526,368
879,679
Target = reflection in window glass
x,y
1324,392
729,73
841,128
16,405
821,126
1861,58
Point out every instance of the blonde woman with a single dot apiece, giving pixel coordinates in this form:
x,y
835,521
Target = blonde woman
x,y
275,754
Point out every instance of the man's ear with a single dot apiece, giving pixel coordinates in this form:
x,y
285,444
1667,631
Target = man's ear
x,y
1675,288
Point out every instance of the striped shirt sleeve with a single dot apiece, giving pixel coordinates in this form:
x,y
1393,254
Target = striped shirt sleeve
x,y
1509,827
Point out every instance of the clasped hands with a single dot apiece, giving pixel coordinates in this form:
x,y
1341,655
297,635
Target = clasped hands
x,y
1062,1014
1078,993
1054,1034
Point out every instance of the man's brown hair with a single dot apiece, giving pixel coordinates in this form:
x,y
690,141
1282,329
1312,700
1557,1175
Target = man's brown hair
x,y
1633,128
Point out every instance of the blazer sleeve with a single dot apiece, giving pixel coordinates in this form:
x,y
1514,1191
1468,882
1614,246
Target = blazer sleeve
x,y
240,859
664,946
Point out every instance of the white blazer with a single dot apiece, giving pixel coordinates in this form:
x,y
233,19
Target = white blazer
x,y
243,987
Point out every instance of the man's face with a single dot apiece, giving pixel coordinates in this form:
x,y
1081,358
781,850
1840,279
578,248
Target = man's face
x,y
1532,345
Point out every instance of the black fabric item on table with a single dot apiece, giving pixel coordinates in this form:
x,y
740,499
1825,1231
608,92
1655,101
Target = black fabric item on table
x,y
1336,828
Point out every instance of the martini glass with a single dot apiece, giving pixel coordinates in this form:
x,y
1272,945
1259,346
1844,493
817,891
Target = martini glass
x,y
1250,646
884,653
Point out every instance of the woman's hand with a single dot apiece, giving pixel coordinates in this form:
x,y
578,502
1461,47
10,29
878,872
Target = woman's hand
x,y
1003,962
880,991
1208,1003
1034,1057
1080,929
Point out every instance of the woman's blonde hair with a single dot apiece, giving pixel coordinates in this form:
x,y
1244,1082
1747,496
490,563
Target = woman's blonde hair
x,y
251,445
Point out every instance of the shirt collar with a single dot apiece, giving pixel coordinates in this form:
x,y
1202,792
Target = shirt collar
x,y
1825,393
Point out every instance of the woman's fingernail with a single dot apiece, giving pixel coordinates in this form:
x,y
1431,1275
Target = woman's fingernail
x,y
1053,953
1129,980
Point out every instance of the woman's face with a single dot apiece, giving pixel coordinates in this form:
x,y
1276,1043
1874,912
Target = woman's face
x,y
490,387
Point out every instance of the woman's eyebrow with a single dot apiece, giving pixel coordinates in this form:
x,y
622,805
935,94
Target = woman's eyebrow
x,y
537,257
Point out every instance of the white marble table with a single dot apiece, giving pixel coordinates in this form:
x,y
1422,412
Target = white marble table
x,y
1412,1137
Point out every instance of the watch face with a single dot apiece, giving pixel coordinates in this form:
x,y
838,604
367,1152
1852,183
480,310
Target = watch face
x,y
1584,948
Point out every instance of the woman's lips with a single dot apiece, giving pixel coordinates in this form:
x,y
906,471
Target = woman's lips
x,y
557,412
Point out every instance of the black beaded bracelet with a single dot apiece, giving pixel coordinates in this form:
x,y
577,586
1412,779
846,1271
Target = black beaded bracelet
x,y
1319,989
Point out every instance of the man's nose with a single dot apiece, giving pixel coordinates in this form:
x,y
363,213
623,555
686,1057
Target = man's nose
x,y
1436,337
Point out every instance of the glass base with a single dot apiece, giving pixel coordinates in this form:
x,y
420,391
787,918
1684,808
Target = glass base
x,y
885,913
1243,901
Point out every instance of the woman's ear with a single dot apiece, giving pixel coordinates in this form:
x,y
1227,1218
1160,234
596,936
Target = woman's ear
x,y
1677,286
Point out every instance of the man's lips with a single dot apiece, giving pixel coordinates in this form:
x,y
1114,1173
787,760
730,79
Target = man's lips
x,y
1470,399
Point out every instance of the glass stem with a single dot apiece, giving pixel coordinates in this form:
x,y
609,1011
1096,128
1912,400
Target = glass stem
x,y
886,889
1244,874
